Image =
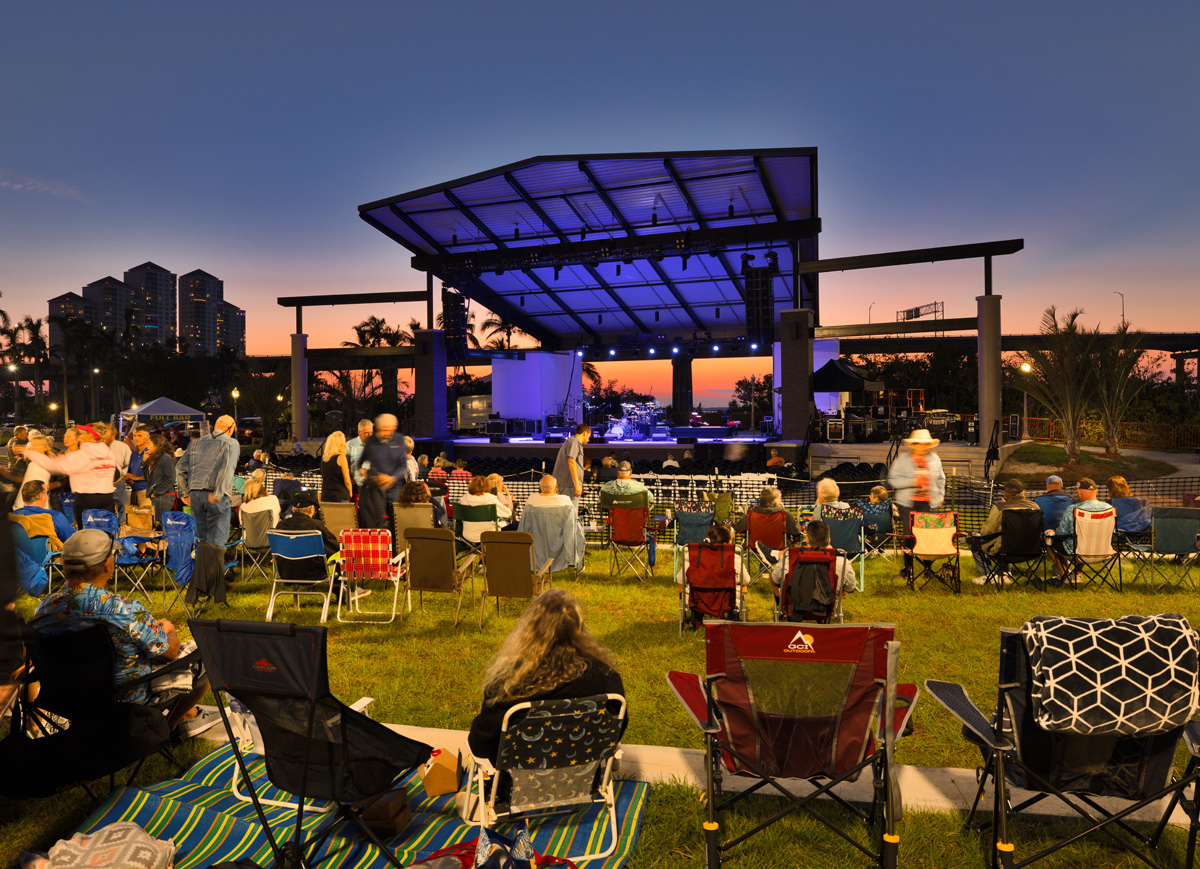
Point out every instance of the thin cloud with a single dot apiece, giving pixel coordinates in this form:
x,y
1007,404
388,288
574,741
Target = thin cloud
x,y
10,180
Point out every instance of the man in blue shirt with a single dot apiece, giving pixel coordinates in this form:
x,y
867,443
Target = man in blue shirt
x,y
136,478
205,474
37,503
354,452
385,469
1087,491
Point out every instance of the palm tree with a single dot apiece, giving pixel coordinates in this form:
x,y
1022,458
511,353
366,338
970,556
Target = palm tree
x,y
261,392
38,352
15,353
1062,375
1115,365
592,374
500,332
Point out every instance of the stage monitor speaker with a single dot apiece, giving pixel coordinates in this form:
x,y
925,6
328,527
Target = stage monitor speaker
x,y
596,439
760,306
555,420
496,427
454,324
533,426
516,426
685,440
972,431
495,439
554,439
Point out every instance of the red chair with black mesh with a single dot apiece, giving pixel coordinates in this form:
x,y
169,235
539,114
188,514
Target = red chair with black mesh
x,y
812,702
769,529
628,545
710,586
823,562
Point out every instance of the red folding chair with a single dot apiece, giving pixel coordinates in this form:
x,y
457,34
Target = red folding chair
x,y
628,546
367,558
796,558
710,585
814,702
770,529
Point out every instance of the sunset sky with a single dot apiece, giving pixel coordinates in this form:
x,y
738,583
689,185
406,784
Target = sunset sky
x,y
240,139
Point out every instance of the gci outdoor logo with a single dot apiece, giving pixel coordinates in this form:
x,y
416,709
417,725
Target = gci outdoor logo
x,y
801,644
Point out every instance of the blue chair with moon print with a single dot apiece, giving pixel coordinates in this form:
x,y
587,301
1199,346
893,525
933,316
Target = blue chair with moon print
x,y
535,776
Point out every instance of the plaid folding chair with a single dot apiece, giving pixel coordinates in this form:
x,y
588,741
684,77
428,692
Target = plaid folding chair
x,y
300,568
1174,547
710,585
367,557
1093,556
813,702
769,529
847,534
936,537
1087,708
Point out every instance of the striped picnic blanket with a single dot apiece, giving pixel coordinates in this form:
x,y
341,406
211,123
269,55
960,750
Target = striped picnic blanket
x,y
209,824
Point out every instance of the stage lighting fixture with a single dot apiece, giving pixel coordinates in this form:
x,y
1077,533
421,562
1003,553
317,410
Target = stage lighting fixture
x,y
654,217
578,352
557,269
612,352
618,270
716,348
753,346
747,258
674,349
516,232
773,260
522,300
730,209
683,261
656,313
599,319
718,310
627,260
652,351
453,238
583,233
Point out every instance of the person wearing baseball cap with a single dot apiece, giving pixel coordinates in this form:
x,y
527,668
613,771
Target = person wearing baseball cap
x,y
1055,502
1063,545
139,640
918,481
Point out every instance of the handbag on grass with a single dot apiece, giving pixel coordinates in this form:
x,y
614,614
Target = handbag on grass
x,y
492,850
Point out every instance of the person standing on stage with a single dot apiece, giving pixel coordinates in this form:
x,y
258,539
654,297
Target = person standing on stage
x,y
568,466
919,482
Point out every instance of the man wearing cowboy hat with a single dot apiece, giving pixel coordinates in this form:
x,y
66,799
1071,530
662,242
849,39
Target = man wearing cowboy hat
x,y
918,480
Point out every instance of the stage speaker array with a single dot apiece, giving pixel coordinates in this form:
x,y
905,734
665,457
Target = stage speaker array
x,y
454,324
760,305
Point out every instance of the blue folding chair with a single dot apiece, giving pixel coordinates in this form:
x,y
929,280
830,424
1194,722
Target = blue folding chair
x,y
1053,508
300,567
66,503
179,531
132,563
846,535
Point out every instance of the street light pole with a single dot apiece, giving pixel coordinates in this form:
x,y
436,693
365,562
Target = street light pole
x,y
1025,369
12,369
236,396
869,307
1122,295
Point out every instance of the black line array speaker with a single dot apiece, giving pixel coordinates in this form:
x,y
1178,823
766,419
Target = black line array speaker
x,y
454,324
760,306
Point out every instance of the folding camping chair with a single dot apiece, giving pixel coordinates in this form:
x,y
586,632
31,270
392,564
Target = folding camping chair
x,y
690,527
798,596
1022,555
1092,733
432,567
722,503
256,548
769,529
935,537
538,775
131,563
1093,555
816,702
628,543
1174,546
367,557
847,534
508,568
179,532
339,516
74,662
473,513
299,567
1053,508
877,527
315,746
403,518
710,587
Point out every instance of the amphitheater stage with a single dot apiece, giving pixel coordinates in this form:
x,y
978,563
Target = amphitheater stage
x,y
750,448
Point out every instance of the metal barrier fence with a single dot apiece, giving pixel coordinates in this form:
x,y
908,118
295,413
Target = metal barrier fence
x,y
1135,435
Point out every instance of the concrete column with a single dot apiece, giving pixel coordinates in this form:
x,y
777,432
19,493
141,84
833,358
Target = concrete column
x,y
299,386
795,372
681,383
429,381
989,365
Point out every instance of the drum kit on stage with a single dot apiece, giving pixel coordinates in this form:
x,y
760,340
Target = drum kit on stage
x,y
638,420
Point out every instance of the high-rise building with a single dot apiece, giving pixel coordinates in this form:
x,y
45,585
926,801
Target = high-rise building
x,y
200,294
68,306
153,303
231,328
110,299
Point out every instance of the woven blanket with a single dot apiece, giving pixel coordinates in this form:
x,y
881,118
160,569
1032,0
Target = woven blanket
x,y
208,824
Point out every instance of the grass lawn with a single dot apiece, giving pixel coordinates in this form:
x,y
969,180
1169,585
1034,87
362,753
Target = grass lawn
x,y
427,673
1092,463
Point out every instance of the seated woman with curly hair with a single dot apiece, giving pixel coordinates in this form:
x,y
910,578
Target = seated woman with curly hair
x,y
550,655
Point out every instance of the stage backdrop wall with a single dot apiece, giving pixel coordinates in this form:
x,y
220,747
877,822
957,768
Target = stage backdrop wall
x,y
536,386
824,350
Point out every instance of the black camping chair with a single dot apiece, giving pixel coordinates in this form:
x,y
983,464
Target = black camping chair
x,y
1121,746
315,746
87,731
1022,555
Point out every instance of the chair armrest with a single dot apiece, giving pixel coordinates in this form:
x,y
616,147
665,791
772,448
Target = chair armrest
x,y
545,568
165,670
1191,737
361,704
954,698
468,564
906,701
689,690
984,538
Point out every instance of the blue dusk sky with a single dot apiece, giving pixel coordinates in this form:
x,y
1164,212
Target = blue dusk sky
x,y
241,137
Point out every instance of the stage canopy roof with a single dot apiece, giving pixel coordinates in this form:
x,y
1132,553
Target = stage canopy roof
x,y
617,248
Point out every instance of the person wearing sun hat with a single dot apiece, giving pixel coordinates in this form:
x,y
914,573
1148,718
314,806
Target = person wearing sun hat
x,y
918,480
92,470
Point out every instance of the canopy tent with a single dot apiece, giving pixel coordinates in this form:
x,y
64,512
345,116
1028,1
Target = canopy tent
x,y
837,375
162,410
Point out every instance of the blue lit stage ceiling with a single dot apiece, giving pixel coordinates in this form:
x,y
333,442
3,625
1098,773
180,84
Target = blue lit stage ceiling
x,y
606,247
